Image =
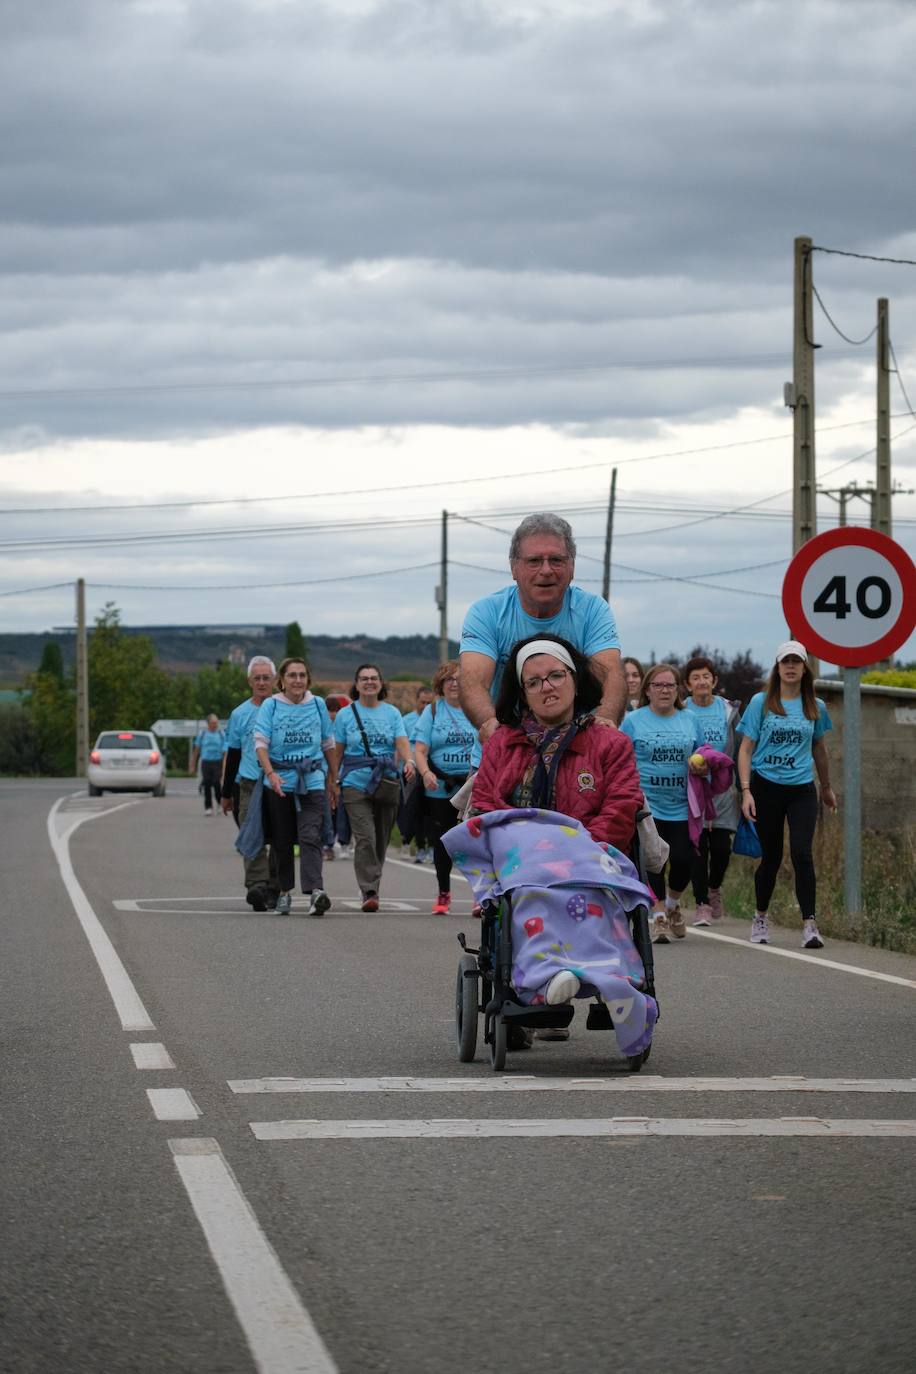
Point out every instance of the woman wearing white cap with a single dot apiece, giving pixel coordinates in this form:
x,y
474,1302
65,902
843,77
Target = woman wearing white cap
x,y
783,732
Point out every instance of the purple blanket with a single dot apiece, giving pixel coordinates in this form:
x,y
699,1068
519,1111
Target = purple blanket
x,y
570,896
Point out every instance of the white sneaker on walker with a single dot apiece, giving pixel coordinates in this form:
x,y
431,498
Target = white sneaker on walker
x,y
561,988
811,936
760,930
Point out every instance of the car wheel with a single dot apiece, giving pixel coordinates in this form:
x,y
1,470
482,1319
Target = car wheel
x,y
94,791
159,791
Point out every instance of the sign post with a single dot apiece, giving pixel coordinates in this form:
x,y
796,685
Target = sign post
x,y
850,596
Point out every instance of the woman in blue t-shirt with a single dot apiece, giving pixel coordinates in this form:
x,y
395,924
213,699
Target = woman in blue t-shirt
x,y
371,749
295,748
664,736
783,732
718,719
443,742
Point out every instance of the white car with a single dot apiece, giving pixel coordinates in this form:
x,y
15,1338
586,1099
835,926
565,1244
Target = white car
x,y
126,761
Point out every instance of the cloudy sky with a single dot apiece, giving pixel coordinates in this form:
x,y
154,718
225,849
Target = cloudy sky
x,y
282,281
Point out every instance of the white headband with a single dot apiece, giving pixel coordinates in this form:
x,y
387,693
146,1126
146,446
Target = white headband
x,y
542,646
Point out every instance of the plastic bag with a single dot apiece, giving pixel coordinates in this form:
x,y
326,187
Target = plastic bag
x,y
746,841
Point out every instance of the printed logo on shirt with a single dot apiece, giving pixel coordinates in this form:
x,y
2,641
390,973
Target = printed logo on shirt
x,y
667,753
781,734
586,782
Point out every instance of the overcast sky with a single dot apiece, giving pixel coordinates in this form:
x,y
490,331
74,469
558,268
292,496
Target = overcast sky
x,y
383,259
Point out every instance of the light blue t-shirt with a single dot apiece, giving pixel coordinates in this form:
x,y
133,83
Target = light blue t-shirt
x,y
494,623
383,725
782,750
713,721
295,731
212,745
449,736
240,735
662,745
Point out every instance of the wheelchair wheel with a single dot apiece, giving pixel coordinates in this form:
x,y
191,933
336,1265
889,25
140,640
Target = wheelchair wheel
x,y
646,1052
498,1044
466,1004
636,1061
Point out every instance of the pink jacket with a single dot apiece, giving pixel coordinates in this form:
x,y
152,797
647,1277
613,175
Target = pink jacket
x,y
597,781
700,791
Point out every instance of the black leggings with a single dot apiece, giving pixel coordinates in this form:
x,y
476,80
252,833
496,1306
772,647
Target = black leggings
x,y
708,868
680,860
438,816
776,803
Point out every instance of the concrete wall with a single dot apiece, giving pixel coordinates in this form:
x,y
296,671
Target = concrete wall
x,y
888,752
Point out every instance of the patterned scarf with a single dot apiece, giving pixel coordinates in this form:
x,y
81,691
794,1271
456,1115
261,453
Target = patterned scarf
x,y
539,780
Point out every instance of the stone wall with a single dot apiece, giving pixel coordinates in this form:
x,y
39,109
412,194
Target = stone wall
x,y
888,752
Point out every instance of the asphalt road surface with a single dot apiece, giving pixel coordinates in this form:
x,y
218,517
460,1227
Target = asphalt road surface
x,y
235,1141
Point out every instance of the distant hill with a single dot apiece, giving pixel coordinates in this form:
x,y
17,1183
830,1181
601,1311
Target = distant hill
x,y
185,648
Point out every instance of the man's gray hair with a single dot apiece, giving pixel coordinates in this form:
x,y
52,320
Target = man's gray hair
x,y
544,522
261,658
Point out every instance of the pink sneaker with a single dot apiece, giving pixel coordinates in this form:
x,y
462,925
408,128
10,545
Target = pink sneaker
x,y
442,904
716,909
703,914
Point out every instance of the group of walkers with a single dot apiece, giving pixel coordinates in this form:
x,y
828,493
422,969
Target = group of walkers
x,y
540,710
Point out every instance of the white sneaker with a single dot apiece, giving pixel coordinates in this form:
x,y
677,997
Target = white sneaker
x,y
811,936
760,931
320,902
284,904
660,929
561,988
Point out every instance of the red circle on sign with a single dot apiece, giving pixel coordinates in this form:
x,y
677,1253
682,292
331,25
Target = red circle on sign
x,y
797,620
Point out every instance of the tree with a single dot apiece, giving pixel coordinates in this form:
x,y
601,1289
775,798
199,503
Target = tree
x,y
52,661
296,646
126,689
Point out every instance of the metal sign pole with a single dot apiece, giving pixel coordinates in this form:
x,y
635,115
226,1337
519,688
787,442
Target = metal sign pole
x,y
852,794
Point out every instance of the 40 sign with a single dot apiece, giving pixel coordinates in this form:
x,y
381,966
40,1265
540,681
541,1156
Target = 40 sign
x,y
850,596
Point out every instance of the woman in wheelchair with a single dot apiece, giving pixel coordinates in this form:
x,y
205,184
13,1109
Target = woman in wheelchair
x,y
550,752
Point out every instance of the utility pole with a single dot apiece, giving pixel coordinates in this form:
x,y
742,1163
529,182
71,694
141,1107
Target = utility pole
x,y
842,495
881,505
800,396
82,683
609,535
442,593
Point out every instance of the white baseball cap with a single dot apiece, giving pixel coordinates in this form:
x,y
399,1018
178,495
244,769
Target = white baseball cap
x,y
791,646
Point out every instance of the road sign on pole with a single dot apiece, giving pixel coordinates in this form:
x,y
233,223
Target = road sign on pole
x,y
850,596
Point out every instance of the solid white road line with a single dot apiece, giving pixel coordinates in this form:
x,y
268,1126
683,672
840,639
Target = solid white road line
x,y
520,1083
280,1333
173,1104
148,1054
423,868
130,1009
805,958
519,1128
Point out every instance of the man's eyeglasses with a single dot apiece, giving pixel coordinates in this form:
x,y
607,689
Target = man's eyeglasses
x,y
556,562
554,679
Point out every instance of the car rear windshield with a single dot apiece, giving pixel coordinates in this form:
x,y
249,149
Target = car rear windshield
x,y
125,739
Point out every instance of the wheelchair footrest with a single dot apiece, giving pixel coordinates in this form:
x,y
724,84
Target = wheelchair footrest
x,y
538,1017
599,1018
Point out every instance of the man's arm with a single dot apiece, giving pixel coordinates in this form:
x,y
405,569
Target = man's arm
x,y
609,668
476,679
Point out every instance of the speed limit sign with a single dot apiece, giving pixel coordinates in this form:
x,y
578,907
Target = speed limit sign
x,y
850,596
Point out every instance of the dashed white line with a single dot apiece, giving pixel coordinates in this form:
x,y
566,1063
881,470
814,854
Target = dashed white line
x,y
173,1104
280,1333
520,1083
149,1054
522,1129
130,1009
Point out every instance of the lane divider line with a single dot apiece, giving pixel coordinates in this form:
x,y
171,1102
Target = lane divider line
x,y
131,1011
149,1054
524,1129
424,868
173,1104
817,959
280,1333
632,1083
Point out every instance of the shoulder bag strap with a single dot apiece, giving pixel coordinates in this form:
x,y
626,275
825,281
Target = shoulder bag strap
x,y
362,729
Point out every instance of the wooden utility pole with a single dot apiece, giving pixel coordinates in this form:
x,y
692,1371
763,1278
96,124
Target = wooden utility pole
x,y
881,506
804,508
608,538
82,683
442,593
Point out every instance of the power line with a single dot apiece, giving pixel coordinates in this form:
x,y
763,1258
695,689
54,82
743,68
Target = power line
x,y
258,586
867,257
855,342
49,587
899,377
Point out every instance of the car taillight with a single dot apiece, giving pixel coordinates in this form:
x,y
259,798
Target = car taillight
x,y
154,756
95,756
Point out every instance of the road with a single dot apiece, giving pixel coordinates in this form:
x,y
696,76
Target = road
x,y
160,1216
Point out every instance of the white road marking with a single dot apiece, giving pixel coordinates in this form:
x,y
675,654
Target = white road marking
x,y
280,1333
130,1009
520,1083
385,904
173,1104
132,904
806,958
423,868
148,1054
520,1128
